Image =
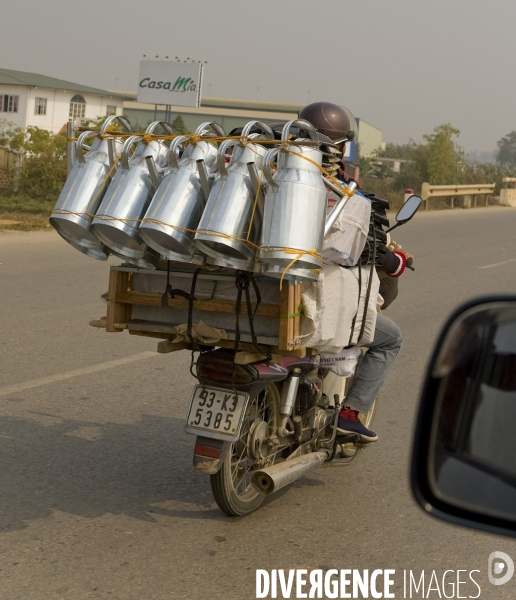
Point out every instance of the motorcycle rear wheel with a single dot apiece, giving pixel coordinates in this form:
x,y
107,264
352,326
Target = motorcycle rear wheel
x,y
231,485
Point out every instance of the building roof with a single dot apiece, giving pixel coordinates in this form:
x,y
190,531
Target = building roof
x,y
10,77
252,105
238,104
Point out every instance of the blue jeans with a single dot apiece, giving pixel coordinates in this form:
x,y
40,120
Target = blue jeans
x,y
375,366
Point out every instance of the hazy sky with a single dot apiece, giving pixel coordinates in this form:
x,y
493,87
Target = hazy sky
x,y
404,66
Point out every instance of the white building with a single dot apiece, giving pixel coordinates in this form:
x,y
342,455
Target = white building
x,y
369,138
49,103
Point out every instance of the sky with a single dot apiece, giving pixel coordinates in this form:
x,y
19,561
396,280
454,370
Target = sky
x,y
405,66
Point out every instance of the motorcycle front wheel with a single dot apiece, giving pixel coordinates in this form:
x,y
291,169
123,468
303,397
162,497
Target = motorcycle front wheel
x,y
231,485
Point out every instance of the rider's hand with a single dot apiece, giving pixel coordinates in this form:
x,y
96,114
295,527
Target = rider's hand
x,y
405,254
394,247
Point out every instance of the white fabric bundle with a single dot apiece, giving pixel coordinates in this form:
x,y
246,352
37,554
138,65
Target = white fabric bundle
x,y
346,239
330,305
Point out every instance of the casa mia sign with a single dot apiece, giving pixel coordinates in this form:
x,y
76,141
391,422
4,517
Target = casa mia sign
x,y
173,83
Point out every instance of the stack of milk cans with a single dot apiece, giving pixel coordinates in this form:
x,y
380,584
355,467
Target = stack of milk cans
x,y
250,202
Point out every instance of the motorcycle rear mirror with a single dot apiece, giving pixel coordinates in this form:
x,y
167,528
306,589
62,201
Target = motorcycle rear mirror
x,y
407,211
464,455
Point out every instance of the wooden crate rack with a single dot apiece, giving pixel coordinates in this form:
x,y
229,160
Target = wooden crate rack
x,y
121,298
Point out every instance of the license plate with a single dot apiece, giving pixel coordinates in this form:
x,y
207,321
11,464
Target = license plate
x,y
216,413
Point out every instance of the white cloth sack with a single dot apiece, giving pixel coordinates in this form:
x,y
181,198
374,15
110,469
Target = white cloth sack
x,y
344,363
330,305
347,237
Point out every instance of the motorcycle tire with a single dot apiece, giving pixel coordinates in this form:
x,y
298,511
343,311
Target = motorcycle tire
x,y
231,485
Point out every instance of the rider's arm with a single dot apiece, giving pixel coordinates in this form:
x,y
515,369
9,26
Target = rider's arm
x,y
393,263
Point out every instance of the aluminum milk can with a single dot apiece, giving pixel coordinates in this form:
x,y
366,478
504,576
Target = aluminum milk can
x,y
85,187
229,229
295,207
118,218
173,215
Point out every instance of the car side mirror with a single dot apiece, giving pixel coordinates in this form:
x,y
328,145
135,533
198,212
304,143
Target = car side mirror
x,y
464,456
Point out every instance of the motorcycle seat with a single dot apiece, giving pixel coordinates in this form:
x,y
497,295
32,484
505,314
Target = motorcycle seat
x,y
270,372
305,364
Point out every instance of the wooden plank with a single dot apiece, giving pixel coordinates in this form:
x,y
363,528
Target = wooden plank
x,y
152,334
284,321
153,327
169,331
290,320
248,347
166,347
101,323
245,346
116,310
297,320
286,324
223,306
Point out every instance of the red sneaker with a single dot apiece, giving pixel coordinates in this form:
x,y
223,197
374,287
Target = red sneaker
x,y
350,423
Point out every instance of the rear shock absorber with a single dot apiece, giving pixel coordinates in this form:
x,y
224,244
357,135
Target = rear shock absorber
x,y
288,399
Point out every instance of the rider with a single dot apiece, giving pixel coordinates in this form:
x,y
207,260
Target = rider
x,y
338,124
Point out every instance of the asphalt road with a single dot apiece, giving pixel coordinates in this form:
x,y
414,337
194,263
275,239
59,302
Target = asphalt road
x,y
97,495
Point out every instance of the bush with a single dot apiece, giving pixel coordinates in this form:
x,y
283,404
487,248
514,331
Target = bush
x,y
386,188
43,172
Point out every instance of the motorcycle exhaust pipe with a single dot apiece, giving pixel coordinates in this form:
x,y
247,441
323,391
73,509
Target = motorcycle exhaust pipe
x,y
271,479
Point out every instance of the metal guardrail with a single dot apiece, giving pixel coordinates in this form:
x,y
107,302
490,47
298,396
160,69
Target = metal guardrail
x,y
468,192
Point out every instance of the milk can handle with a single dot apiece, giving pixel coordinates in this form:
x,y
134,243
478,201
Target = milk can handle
x,y
79,155
263,126
215,128
302,124
125,150
122,120
221,154
165,126
173,153
267,171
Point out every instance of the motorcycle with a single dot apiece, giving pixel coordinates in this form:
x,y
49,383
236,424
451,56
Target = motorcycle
x,y
261,426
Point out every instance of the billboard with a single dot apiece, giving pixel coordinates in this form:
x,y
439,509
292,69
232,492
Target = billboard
x,y
167,82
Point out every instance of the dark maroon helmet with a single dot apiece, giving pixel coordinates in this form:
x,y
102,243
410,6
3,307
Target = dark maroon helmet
x,y
336,122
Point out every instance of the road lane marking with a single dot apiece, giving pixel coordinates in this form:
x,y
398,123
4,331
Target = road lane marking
x,y
110,364
504,262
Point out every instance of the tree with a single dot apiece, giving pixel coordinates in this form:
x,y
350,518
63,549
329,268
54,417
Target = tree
x,y
11,136
444,156
439,161
506,155
44,170
179,126
401,151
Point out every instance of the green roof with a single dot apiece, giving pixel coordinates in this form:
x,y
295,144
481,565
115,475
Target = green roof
x,y
9,77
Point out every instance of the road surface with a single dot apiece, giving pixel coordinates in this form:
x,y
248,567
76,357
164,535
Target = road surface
x,y
97,495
